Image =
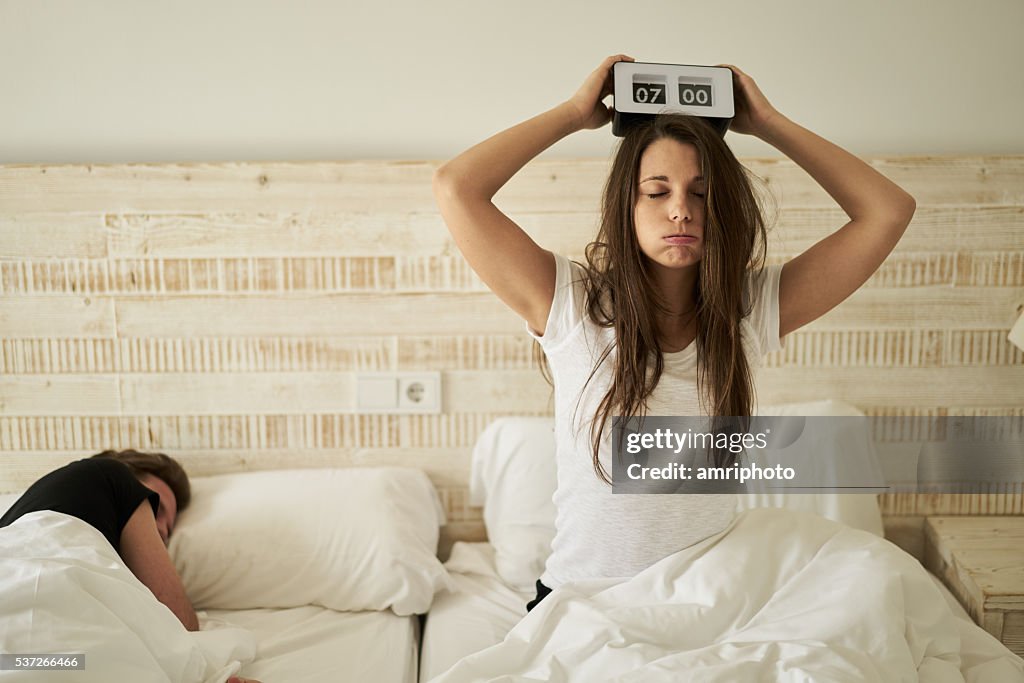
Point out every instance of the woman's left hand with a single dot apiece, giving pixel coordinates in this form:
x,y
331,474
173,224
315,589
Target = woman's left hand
x,y
753,110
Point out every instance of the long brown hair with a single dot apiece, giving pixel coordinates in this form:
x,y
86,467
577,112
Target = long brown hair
x,y
621,293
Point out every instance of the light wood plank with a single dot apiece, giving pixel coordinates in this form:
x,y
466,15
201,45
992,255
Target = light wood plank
x,y
866,349
238,393
274,234
918,387
509,392
281,186
19,470
506,391
327,315
950,504
197,354
24,317
379,186
348,233
935,228
59,394
191,432
807,348
339,274
931,180
244,432
475,313
68,432
981,560
907,532
981,347
971,308
467,352
51,235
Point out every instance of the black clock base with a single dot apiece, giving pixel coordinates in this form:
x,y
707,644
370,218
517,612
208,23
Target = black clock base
x,y
623,121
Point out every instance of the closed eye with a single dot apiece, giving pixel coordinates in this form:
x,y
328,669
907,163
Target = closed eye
x,y
661,194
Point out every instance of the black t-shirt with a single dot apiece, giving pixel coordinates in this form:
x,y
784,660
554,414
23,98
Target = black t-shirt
x,y
99,491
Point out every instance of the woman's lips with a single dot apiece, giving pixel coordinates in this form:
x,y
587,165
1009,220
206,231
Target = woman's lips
x,y
680,239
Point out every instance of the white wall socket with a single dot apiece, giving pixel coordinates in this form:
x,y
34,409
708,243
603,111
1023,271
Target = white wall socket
x,y
398,392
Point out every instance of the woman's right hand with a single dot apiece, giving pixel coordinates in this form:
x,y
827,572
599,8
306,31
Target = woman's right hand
x,y
588,101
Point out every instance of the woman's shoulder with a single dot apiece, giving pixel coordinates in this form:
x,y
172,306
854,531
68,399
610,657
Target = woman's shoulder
x,y
96,471
761,282
761,306
573,282
106,466
572,269
570,321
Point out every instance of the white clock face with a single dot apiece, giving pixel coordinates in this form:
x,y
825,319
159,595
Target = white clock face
x,y
646,88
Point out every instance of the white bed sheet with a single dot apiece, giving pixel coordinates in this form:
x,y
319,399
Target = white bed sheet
x,y
484,609
317,645
313,644
479,614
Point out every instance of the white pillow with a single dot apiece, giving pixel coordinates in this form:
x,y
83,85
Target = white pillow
x,y
858,510
347,539
514,477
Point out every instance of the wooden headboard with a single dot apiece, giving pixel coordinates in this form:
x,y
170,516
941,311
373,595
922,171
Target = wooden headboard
x,y
218,313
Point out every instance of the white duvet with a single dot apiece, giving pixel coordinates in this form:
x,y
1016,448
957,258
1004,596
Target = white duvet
x,y
63,589
778,596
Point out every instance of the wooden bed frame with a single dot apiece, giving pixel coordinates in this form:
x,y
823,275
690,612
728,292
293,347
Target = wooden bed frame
x,y
219,313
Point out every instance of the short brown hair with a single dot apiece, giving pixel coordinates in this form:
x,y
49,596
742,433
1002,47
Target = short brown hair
x,y
159,465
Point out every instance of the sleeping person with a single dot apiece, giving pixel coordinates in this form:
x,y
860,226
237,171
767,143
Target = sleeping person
x,y
133,499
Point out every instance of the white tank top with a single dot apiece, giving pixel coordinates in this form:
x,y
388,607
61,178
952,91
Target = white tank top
x,y
598,534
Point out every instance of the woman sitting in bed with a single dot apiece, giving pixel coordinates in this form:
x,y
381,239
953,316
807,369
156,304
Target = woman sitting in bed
x,y
674,308
133,499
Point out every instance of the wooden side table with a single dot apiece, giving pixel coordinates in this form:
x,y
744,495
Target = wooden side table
x,y
981,561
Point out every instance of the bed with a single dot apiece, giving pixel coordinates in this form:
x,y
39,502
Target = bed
x,y
301,575
824,596
315,644
483,608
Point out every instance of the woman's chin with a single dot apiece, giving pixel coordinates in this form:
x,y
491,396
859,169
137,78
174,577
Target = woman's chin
x,y
677,261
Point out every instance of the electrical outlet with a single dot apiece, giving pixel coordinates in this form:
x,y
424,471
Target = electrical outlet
x,y
419,392
398,392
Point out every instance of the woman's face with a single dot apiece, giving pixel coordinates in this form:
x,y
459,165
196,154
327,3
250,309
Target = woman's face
x,y
669,212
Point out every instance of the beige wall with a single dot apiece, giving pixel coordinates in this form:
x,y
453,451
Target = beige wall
x,y
202,80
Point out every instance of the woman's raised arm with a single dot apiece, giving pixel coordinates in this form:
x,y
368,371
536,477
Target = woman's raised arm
x,y
511,264
820,278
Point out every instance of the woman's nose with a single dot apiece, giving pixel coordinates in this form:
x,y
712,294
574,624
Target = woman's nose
x,y
679,211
